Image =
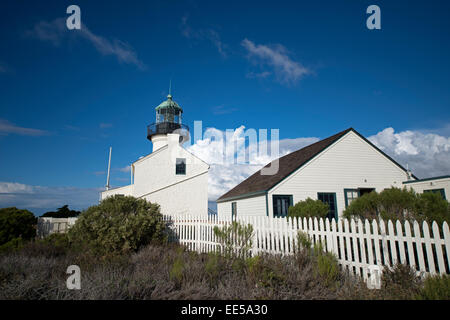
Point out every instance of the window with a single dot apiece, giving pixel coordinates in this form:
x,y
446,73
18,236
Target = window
x,y
439,191
330,199
350,195
233,211
281,204
180,166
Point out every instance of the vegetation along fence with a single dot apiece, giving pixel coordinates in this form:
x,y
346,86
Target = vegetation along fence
x,y
362,248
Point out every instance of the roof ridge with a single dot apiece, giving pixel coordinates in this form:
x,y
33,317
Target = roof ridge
x,y
270,181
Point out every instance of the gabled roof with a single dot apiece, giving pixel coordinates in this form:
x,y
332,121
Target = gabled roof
x,y
259,184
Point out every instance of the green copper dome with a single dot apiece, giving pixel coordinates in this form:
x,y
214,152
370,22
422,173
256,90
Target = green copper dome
x,y
169,104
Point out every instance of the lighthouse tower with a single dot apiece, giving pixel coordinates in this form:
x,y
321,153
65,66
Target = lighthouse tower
x,y
168,120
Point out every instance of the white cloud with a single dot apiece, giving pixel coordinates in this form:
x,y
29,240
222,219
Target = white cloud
x,y
286,70
224,173
203,34
39,199
426,154
7,127
125,169
56,32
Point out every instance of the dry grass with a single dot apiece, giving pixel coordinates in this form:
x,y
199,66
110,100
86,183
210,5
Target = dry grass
x,y
169,272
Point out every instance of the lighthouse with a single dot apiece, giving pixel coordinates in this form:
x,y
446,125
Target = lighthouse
x,y
171,176
168,121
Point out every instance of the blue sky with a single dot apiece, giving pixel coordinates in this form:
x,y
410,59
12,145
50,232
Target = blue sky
x,y
308,68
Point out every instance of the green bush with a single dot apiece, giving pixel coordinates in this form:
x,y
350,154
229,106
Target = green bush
x,y
12,245
328,268
213,265
435,288
395,203
327,265
400,204
431,207
303,241
364,207
235,239
178,267
400,282
16,223
119,224
309,208
63,212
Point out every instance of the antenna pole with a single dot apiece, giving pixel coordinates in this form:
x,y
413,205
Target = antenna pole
x,y
109,168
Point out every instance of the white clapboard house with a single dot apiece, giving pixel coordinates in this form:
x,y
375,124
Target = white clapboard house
x,y
335,170
171,176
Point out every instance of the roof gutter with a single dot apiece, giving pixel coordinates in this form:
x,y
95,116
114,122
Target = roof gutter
x,y
243,196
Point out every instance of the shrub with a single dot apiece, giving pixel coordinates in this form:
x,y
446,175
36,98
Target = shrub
x,y
16,223
400,204
309,208
177,270
431,207
213,265
327,265
435,288
119,224
303,241
364,207
12,245
400,282
395,203
235,239
63,212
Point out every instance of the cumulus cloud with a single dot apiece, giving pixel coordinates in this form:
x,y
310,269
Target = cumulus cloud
x,y
40,199
426,154
203,34
233,156
7,127
56,33
286,70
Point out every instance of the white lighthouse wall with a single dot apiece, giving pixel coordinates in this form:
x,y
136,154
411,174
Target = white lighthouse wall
x,y
187,197
155,179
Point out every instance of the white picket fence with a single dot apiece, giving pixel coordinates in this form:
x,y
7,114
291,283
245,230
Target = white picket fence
x,y
362,248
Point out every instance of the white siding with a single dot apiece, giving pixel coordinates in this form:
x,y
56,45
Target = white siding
x,y
126,191
431,184
155,180
254,206
350,163
224,209
157,170
187,197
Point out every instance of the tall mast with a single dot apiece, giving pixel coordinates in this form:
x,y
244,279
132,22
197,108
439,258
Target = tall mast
x,y
109,168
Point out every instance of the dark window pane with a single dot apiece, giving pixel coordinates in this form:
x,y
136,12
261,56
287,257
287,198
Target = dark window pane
x,y
329,198
281,205
180,167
